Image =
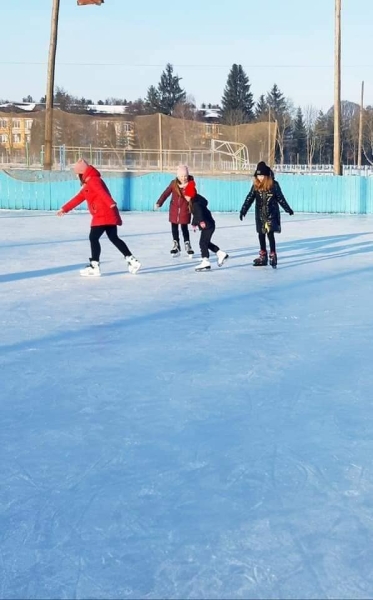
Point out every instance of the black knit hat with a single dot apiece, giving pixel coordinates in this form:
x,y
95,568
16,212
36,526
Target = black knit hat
x,y
262,169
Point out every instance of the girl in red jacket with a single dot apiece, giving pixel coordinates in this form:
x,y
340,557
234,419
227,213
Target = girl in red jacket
x,y
105,217
179,210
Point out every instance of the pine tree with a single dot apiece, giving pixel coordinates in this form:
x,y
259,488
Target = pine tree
x,y
324,138
280,111
169,91
276,102
261,109
300,138
237,100
152,100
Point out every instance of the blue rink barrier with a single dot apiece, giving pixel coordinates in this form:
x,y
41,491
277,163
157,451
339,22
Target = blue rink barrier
x,y
48,190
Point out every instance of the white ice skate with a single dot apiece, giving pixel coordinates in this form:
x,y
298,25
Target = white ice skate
x,y
222,257
189,250
91,270
133,264
204,265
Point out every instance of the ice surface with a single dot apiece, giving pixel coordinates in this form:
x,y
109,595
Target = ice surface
x,y
186,435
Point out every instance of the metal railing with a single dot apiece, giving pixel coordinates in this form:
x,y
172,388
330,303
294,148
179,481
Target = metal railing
x,y
199,161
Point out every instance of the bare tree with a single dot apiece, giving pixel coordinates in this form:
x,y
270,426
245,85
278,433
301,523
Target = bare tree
x,y
284,123
9,135
186,109
368,134
310,118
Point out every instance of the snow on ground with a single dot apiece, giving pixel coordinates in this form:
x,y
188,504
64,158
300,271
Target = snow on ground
x,y
186,435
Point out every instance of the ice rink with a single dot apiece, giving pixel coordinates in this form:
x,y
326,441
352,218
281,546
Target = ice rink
x,y
179,435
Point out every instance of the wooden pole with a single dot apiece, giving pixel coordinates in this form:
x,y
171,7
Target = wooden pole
x,y
160,142
269,136
360,143
50,87
337,90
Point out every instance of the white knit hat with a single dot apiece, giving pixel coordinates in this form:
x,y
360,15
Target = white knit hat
x,y
182,171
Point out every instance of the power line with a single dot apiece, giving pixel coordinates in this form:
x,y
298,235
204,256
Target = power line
x,y
194,66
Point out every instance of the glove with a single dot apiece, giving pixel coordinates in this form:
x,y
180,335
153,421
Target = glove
x,y
241,216
291,212
156,206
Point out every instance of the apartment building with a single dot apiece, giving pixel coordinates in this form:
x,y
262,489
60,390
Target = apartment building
x,y
15,131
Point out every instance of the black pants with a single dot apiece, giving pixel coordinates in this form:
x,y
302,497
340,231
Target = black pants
x,y
111,231
271,239
205,242
175,232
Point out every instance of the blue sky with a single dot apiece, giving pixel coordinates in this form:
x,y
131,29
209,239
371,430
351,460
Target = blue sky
x,y
125,45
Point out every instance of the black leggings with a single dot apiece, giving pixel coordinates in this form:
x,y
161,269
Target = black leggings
x,y
205,242
111,231
271,239
175,232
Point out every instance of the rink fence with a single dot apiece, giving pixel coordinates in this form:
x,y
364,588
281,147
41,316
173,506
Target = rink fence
x,y
48,190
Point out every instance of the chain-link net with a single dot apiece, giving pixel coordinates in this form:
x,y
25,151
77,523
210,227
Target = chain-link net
x,y
140,143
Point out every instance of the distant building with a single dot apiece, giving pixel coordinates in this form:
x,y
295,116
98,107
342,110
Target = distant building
x,y
107,109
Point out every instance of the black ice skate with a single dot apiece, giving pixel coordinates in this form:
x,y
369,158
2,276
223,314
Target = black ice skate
x,y
189,250
273,260
175,250
262,260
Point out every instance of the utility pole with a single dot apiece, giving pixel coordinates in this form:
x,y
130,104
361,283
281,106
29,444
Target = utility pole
x,y
360,143
337,90
160,141
50,87
269,137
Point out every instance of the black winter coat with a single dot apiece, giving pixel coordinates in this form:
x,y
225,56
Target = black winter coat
x,y
267,212
200,212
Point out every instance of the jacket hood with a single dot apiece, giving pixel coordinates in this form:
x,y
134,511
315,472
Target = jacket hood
x,y
91,172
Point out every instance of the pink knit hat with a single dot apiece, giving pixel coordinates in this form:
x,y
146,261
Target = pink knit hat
x,y
182,171
81,166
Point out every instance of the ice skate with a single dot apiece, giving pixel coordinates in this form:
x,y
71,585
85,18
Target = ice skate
x,y
175,250
222,257
273,260
189,250
91,270
262,259
133,264
204,265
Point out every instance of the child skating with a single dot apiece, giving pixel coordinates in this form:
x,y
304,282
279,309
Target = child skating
x,y
267,194
203,219
179,213
105,217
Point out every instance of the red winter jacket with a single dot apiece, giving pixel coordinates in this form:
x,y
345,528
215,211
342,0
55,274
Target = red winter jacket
x,y
101,205
179,207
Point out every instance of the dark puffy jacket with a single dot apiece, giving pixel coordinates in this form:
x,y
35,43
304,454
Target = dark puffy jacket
x,y
179,208
200,212
267,212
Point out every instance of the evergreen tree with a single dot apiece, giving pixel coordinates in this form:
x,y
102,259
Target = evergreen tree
x,y
168,92
324,128
237,100
280,111
276,102
299,138
152,100
261,109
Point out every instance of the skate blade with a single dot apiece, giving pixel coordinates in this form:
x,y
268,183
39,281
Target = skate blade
x,y
90,276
